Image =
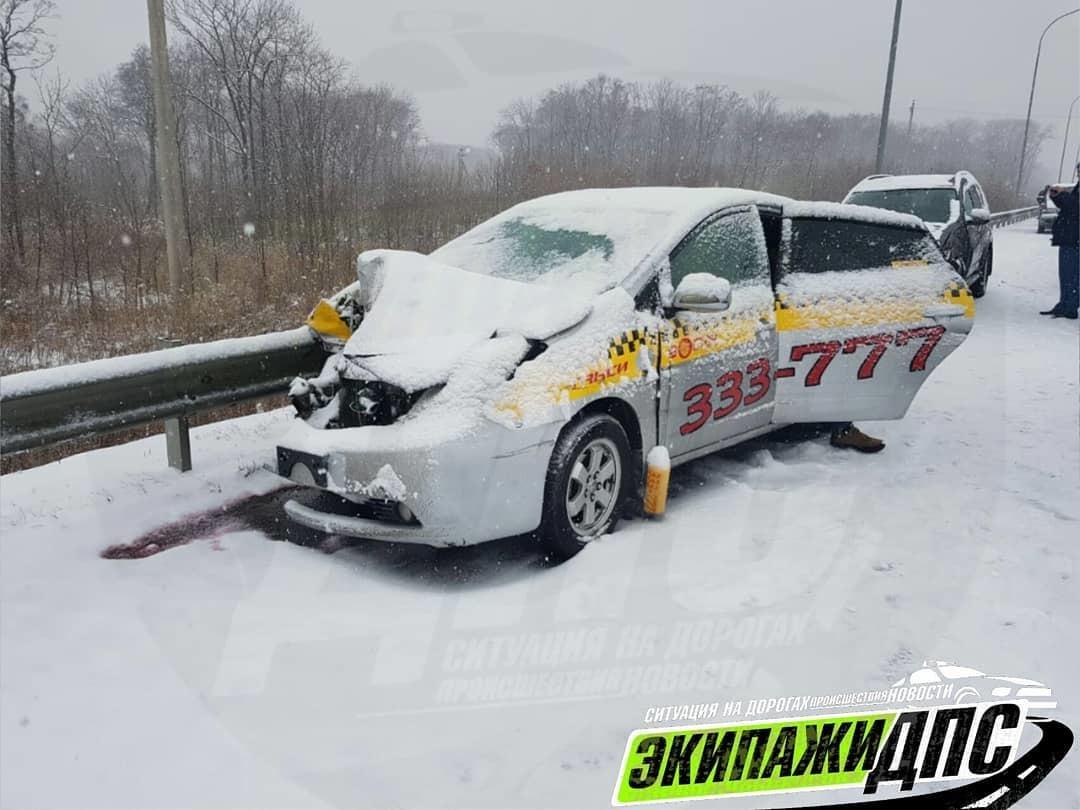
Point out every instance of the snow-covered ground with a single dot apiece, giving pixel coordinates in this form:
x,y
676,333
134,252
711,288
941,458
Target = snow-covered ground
x,y
235,671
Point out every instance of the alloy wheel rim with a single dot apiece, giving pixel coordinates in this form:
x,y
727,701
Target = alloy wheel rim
x,y
593,487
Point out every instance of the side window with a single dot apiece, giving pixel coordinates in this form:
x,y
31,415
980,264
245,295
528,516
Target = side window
x,y
731,246
822,245
972,198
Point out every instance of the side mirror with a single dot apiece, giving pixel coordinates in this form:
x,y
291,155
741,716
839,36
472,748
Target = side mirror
x,y
702,292
979,216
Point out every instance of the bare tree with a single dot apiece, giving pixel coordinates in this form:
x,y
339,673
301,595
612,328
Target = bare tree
x,y
23,46
289,168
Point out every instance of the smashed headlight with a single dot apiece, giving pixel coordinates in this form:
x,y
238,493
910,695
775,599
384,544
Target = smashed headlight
x,y
308,395
351,399
372,402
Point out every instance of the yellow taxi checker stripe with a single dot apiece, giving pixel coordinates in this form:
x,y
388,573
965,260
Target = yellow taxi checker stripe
x,y
687,342
839,314
958,293
679,328
627,343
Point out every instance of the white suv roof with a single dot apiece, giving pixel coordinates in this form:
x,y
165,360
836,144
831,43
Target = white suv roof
x,y
890,182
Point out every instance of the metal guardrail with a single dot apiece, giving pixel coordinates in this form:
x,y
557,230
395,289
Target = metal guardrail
x,y
1016,215
38,408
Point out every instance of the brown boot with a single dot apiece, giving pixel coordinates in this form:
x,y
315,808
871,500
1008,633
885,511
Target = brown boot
x,y
851,436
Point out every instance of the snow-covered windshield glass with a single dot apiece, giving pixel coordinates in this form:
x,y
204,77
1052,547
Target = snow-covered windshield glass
x,y
522,251
820,245
928,204
591,250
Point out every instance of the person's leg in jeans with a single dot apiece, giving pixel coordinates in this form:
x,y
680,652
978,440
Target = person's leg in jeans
x,y
1069,279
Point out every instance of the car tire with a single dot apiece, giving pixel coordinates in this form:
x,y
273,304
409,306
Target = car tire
x,y
591,457
978,285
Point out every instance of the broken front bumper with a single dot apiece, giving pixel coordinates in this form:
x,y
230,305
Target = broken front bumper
x,y
486,484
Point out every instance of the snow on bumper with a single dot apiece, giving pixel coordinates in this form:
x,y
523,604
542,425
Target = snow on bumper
x,y
482,485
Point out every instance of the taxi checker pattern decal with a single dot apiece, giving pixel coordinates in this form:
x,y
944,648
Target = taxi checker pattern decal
x,y
870,313
623,363
958,293
685,341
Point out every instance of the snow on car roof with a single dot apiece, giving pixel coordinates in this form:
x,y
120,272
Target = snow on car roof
x,y
860,213
661,199
894,182
694,204
613,209
611,234
616,231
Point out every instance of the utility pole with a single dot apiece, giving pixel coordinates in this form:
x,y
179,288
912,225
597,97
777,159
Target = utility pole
x,y
910,121
172,204
1031,98
884,129
1065,142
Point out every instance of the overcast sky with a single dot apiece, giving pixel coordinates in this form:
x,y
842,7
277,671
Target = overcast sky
x,y
463,60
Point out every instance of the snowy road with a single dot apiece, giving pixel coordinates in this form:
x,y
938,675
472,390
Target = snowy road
x,y
233,671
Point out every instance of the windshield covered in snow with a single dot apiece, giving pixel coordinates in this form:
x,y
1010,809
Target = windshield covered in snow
x,y
820,245
590,250
928,204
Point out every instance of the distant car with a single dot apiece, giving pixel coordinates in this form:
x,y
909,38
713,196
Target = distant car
x,y
517,378
1048,211
954,208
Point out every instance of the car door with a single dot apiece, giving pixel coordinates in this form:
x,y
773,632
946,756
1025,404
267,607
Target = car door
x,y
865,311
978,232
716,367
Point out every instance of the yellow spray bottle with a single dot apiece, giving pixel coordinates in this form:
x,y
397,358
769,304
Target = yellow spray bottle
x,y
657,475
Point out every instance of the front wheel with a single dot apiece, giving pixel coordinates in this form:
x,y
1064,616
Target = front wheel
x,y
587,483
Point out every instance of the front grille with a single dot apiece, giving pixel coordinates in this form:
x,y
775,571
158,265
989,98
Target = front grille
x,y
372,509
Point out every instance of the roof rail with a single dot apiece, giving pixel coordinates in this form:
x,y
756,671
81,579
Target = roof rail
x,y
874,177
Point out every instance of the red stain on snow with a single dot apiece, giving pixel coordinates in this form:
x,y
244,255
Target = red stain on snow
x,y
179,533
261,513
243,513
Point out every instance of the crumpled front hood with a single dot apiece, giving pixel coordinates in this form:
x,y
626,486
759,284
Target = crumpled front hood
x,y
425,316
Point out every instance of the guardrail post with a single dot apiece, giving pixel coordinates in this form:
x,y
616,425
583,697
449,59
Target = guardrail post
x,y
178,442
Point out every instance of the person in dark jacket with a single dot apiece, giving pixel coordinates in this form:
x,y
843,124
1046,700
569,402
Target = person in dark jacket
x,y
1066,236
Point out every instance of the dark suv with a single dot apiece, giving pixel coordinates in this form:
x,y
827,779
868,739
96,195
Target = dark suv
x,y
953,207
1048,212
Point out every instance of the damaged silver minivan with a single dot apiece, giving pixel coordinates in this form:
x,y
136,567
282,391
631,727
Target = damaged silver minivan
x,y
514,380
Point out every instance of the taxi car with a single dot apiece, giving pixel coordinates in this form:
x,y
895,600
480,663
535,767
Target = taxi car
x,y
514,380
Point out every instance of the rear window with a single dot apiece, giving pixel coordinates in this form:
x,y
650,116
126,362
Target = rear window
x,y
928,204
821,245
